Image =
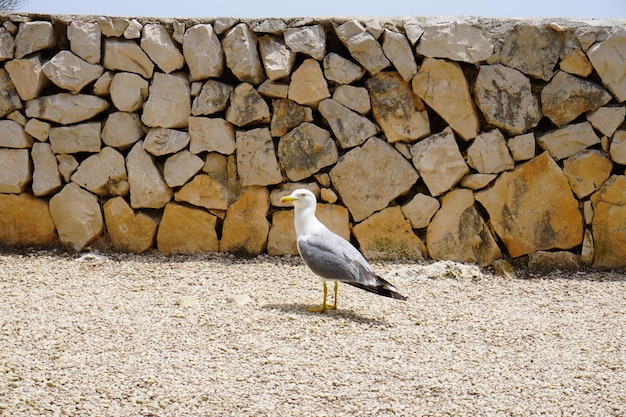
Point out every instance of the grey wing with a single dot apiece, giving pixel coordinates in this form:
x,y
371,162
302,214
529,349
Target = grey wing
x,y
332,257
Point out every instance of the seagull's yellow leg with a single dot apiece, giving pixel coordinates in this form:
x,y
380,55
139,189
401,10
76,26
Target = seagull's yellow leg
x,y
322,308
334,306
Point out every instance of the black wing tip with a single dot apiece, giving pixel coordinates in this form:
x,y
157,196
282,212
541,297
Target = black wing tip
x,y
383,290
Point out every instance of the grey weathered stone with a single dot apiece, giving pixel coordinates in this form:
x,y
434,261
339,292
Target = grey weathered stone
x,y
586,171
398,50
439,161
27,76
274,26
488,154
122,130
287,114
13,135
7,45
458,41
363,46
352,97
112,27
607,119
181,167
368,178
46,178
85,40
609,60
9,99
305,150
553,260
133,30
256,160
505,97
213,97
443,86
212,135
84,137
350,128
533,50
566,97
341,70
308,86
76,215
413,30
103,174
16,170
609,235
157,42
203,52
67,166
102,86
587,249
568,140
126,55
70,72
242,57
147,187
162,141
32,37
420,210
277,58
309,40
247,106
270,89
66,109
169,101
533,208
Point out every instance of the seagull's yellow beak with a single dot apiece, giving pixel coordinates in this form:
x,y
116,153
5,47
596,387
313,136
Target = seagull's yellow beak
x,y
288,199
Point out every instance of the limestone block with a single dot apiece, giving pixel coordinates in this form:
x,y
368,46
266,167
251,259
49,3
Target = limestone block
x,y
457,41
618,147
413,30
112,27
457,232
25,221
242,57
84,137
147,187
126,55
212,135
369,177
533,50
181,167
85,40
568,140
607,119
66,109
305,150
76,215
70,72
420,210
609,60
274,26
308,86
27,76
363,47
354,98
388,235
133,30
341,70
398,50
128,231
7,45
532,208
16,170
204,191
609,234
553,260
104,173
443,86
213,98
522,147
309,40
13,135
506,100
256,160
46,178
122,130
488,154
397,110
32,37
329,196
587,171
566,97
587,250
38,129
287,114
162,141
102,86
222,24
67,166
169,101
246,227
9,99
157,42
128,91
178,31
350,128
277,58
477,181
247,107
186,230
439,162
575,62
270,89
203,52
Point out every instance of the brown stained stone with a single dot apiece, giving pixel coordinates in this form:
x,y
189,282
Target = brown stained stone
x,y
609,232
185,230
246,227
25,220
128,231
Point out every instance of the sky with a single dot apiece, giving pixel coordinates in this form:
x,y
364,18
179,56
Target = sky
x,y
603,9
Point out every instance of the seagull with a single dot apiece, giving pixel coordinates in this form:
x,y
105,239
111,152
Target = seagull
x,y
330,256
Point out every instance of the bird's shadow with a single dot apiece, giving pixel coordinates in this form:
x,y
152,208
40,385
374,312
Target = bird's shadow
x,y
339,314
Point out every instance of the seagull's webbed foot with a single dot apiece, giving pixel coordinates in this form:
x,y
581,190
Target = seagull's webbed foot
x,y
323,307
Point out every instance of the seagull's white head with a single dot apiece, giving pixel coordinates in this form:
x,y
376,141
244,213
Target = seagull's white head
x,y
301,199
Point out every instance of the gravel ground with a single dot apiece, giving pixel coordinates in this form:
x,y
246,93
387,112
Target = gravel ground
x,y
148,335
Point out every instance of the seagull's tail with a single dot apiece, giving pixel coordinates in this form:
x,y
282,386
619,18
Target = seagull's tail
x,y
382,287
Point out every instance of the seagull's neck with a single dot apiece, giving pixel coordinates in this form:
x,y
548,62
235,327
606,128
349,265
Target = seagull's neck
x,y
305,221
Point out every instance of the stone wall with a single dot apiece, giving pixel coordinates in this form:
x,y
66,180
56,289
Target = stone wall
x,y
466,139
